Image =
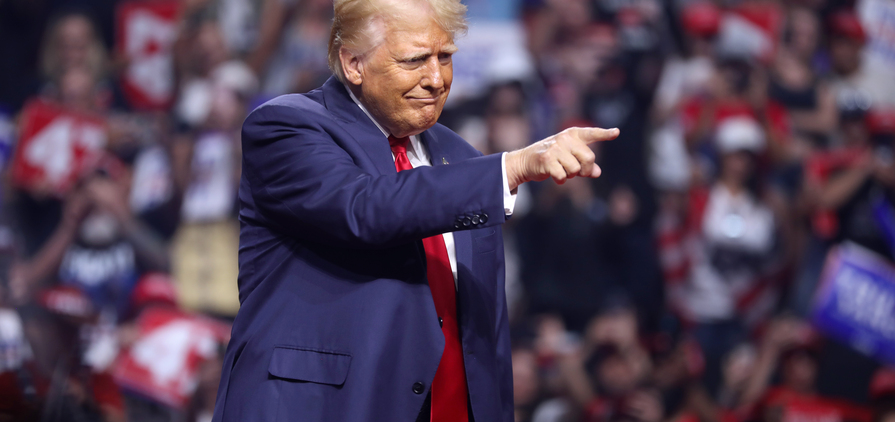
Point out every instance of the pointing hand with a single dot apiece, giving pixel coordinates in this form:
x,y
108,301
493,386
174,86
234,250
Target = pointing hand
x,y
561,156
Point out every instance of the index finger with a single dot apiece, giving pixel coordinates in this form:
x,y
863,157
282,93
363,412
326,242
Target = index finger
x,y
594,134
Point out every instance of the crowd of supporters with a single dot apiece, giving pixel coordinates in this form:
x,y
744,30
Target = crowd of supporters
x,y
756,139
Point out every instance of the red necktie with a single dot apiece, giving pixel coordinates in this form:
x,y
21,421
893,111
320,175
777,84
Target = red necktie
x,y
449,386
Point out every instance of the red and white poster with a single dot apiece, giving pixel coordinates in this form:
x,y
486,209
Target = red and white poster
x,y
147,30
56,146
163,363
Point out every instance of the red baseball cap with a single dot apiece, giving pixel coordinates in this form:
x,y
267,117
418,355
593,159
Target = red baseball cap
x,y
847,24
154,288
701,19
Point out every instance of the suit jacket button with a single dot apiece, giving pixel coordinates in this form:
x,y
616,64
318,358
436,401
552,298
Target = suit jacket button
x,y
418,388
457,225
466,221
440,322
476,219
483,218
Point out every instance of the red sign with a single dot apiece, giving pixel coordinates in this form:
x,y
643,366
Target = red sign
x,y
163,363
146,33
56,146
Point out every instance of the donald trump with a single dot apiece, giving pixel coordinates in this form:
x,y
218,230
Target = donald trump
x,y
371,271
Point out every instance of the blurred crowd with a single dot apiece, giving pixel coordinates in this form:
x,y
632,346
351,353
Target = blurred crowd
x,y
756,137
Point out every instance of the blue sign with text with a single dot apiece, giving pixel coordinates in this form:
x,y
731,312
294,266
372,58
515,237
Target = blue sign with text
x,y
855,302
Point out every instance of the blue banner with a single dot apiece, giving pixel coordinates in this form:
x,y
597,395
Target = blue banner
x,y
855,302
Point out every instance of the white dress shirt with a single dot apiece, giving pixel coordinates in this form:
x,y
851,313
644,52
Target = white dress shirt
x,y
419,156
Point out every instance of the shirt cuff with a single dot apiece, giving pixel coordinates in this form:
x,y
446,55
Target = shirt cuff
x,y
509,198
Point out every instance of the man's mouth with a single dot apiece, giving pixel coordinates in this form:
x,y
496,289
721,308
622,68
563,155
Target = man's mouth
x,y
425,100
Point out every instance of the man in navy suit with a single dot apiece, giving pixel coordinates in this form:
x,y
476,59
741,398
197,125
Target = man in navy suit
x,y
371,272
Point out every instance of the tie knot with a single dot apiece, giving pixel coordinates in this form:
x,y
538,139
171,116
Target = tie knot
x,y
398,143
399,149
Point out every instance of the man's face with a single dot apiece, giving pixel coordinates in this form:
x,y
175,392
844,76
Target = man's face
x,y
845,54
406,80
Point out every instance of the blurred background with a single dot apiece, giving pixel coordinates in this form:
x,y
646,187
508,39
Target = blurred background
x,y
733,263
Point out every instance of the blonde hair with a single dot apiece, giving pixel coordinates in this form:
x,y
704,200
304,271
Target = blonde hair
x,y
359,25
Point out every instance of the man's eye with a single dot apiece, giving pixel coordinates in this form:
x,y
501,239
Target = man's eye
x,y
444,58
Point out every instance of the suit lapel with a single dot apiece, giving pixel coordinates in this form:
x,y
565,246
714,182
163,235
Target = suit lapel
x,y
440,153
368,137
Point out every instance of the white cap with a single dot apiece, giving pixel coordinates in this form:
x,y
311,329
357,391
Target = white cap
x,y
739,133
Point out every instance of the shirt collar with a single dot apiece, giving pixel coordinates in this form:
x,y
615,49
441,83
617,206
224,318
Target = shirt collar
x,y
364,109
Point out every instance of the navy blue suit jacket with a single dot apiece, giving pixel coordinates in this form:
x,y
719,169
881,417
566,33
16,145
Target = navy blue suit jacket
x,y
337,322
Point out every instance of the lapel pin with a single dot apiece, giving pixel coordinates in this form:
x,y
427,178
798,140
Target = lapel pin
x,y
443,160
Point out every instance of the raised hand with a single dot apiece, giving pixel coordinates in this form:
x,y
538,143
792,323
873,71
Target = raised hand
x,y
561,156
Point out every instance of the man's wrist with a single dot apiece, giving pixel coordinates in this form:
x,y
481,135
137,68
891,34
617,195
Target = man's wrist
x,y
514,166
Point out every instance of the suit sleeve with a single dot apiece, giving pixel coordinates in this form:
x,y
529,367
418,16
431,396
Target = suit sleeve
x,y
306,184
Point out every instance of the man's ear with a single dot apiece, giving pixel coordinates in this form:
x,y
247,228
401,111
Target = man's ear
x,y
352,66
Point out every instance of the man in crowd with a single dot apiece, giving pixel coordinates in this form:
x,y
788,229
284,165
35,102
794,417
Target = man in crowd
x,y
371,282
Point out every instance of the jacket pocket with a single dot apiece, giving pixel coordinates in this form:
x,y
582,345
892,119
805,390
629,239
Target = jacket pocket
x,y
484,242
310,365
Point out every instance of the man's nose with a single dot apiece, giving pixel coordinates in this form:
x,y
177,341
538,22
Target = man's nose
x,y
432,77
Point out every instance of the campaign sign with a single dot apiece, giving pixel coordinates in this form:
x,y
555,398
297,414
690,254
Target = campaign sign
x,y
855,302
163,363
55,147
146,33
